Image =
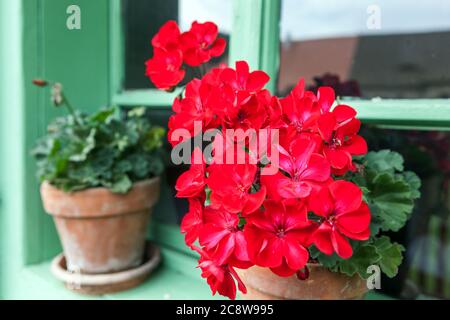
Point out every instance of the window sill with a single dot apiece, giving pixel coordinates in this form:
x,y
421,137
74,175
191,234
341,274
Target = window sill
x,y
145,97
165,283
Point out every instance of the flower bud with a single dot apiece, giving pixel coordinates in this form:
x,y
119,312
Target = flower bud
x,y
40,82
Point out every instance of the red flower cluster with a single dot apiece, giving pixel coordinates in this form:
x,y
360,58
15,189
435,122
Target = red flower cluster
x,y
240,214
171,49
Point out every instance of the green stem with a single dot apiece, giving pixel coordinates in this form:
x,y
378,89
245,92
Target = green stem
x,y
71,109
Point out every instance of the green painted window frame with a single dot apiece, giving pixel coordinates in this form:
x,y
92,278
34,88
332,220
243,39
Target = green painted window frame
x,y
27,233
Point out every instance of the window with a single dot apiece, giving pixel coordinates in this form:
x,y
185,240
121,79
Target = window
x,y
389,49
142,19
391,57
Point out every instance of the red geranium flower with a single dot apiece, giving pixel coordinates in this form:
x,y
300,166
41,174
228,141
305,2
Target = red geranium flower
x,y
192,182
192,221
221,278
338,130
231,185
198,104
164,68
303,169
277,237
344,215
200,43
167,37
300,109
249,115
222,237
244,80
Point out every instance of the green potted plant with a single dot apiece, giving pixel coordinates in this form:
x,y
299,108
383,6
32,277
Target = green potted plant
x,y
99,180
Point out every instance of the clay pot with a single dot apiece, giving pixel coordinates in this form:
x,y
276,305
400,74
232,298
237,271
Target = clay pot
x,y
101,231
321,284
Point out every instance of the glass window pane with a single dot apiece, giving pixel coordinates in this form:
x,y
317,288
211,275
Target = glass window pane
x,y
425,271
143,18
377,48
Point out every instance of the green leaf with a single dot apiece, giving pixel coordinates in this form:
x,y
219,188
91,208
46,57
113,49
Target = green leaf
x,y
86,146
362,257
391,255
414,183
122,185
393,198
153,138
328,261
102,115
136,112
384,160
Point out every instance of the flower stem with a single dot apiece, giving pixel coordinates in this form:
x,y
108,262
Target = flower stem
x,y
71,109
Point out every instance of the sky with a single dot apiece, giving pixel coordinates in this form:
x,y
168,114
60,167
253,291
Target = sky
x,y
313,19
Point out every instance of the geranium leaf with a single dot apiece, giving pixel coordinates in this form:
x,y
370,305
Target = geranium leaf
x,y
384,160
414,183
85,146
362,257
122,185
391,255
393,198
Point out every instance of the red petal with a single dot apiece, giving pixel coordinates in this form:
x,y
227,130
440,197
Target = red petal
x,y
358,146
341,245
344,113
211,235
326,125
254,201
347,196
283,270
322,239
321,203
218,47
325,96
195,57
296,255
167,34
240,249
242,71
256,80
318,169
241,285
299,89
355,222
271,256
227,288
192,221
301,150
225,249
338,158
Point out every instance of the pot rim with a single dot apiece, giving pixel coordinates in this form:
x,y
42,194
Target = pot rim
x,y
99,202
148,181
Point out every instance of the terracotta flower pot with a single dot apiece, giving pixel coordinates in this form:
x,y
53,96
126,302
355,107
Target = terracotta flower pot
x,y
321,284
100,231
